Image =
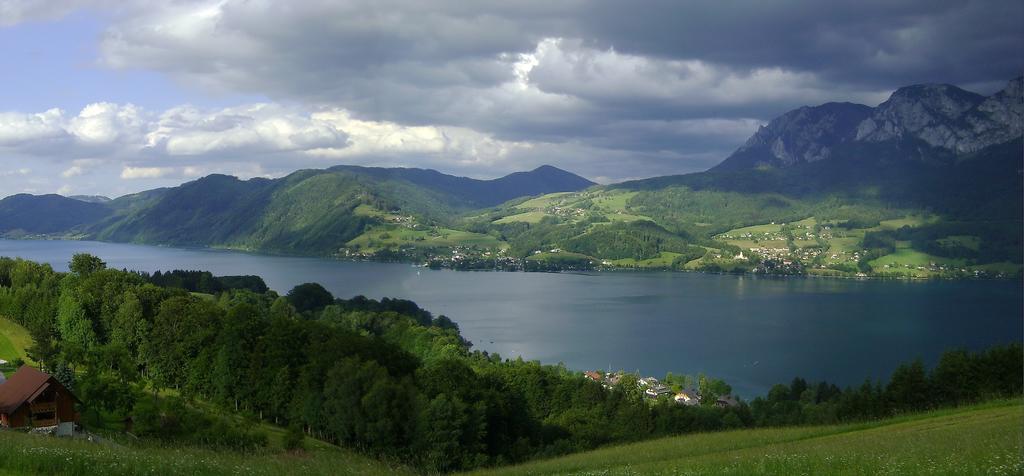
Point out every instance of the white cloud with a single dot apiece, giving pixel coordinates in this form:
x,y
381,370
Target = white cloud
x,y
106,123
19,128
132,173
72,171
377,138
186,130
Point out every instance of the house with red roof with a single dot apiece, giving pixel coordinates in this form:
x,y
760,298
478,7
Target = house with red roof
x,y
30,398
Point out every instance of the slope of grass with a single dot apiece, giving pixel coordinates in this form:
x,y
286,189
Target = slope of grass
x,y
663,260
983,439
31,454
14,339
911,257
534,216
395,236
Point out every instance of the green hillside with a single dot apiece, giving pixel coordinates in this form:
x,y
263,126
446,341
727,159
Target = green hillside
x,y
24,454
983,439
708,227
14,339
317,212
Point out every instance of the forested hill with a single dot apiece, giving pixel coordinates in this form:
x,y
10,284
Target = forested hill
x,y
482,193
307,212
24,213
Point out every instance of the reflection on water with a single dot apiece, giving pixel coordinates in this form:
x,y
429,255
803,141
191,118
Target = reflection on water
x,y
841,330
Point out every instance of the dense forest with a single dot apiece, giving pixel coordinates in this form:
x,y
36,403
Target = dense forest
x,y
181,351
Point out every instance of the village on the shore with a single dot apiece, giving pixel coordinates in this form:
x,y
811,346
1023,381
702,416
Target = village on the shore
x,y
655,390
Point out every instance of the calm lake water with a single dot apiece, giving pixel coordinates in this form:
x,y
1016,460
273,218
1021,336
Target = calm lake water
x,y
752,332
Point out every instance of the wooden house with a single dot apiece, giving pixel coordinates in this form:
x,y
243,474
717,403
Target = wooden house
x,y
30,398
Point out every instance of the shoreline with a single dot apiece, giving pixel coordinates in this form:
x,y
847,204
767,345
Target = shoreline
x,y
599,269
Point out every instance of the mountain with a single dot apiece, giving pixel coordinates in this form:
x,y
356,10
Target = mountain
x,y
482,193
941,120
42,214
805,135
312,211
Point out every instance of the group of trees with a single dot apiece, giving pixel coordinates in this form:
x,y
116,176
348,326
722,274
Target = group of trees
x,y
384,376
960,377
205,282
976,242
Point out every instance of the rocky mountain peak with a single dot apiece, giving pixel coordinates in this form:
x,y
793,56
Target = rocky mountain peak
x,y
947,117
941,115
807,134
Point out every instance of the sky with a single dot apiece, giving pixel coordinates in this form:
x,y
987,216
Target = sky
x,y
105,97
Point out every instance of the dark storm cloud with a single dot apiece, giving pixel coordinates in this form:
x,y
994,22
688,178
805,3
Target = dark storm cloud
x,y
875,43
609,89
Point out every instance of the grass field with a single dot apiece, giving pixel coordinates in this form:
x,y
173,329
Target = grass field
x,y
526,217
558,257
544,200
766,228
663,260
911,257
1005,267
967,241
14,339
611,204
984,439
981,439
30,454
910,220
395,236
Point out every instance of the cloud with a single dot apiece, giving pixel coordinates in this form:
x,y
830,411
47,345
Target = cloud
x,y
104,124
132,173
99,129
249,140
72,171
449,63
19,128
260,128
608,89
13,12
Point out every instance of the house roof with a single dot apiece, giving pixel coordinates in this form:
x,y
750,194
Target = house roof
x,y
22,387
728,400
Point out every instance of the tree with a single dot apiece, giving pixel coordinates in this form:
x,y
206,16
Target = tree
x,y
129,327
282,309
908,388
84,264
75,329
955,378
309,297
183,327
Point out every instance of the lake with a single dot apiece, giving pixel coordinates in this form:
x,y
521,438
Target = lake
x,y
752,332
